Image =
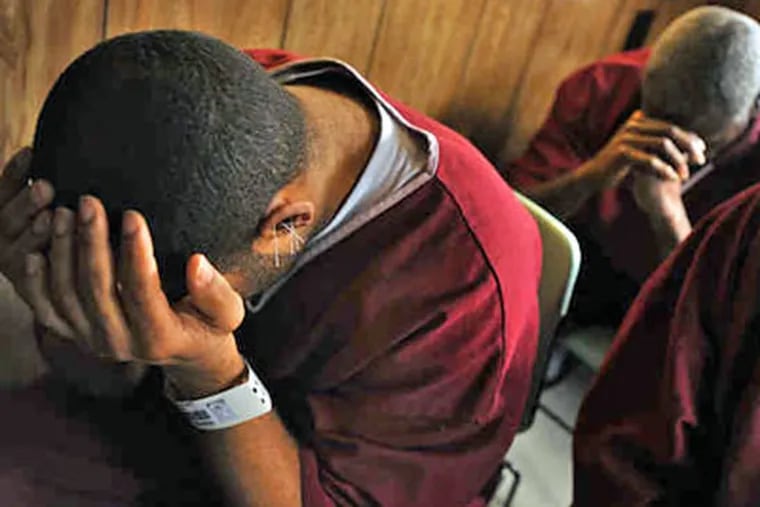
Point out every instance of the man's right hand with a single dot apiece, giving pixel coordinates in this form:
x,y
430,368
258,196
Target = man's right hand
x,y
648,146
24,217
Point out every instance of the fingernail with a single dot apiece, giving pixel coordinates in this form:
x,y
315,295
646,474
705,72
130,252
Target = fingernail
x,y
129,224
205,271
41,224
33,263
42,193
61,222
86,210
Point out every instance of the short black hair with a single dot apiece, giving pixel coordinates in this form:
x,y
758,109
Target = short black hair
x,y
179,125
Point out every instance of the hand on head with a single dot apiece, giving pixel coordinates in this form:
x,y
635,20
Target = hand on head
x,y
652,147
64,268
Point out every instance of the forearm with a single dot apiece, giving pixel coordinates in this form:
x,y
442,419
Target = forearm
x,y
670,230
256,462
565,195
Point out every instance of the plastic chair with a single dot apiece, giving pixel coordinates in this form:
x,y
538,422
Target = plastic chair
x,y
561,260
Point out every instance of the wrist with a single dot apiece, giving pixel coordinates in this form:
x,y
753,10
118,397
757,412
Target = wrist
x,y
667,214
599,176
213,374
672,223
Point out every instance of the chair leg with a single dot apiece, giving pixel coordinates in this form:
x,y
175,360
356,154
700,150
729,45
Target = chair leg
x,y
516,478
556,418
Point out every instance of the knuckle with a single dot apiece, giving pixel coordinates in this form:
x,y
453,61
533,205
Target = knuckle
x,y
623,150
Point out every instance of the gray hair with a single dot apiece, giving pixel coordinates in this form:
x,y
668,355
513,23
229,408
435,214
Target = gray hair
x,y
704,71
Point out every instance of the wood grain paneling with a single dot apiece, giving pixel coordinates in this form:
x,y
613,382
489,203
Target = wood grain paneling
x,y
573,33
488,67
242,23
422,49
670,10
39,39
751,7
505,36
624,21
343,29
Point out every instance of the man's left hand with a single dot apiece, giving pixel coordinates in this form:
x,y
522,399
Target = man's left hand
x,y
118,311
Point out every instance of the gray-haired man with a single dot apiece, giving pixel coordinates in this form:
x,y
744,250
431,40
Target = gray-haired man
x,y
640,145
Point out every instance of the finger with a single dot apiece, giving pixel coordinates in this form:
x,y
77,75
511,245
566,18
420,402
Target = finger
x,y
688,142
212,295
16,214
663,148
33,239
651,164
145,304
14,175
96,284
63,285
35,292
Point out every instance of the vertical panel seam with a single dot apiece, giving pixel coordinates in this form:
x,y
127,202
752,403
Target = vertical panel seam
x,y
286,24
375,39
523,74
104,25
509,111
468,55
609,39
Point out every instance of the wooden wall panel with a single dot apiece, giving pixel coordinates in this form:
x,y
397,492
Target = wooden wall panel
x,y
751,7
624,20
670,10
242,23
560,48
343,29
422,49
488,67
501,49
38,39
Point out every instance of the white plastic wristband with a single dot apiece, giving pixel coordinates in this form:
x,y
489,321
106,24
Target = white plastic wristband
x,y
230,407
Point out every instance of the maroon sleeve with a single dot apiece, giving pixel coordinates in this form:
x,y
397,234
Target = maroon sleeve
x,y
587,109
560,144
652,429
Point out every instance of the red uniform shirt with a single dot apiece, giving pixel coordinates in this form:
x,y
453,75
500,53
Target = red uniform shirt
x,y
400,358
674,416
617,240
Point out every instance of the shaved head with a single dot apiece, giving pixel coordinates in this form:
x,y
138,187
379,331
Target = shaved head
x,y
180,126
704,72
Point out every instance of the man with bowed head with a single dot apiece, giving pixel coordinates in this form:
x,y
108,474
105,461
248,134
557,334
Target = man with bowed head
x,y
642,144
382,350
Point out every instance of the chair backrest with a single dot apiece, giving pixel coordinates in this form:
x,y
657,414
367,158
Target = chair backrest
x,y
560,263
